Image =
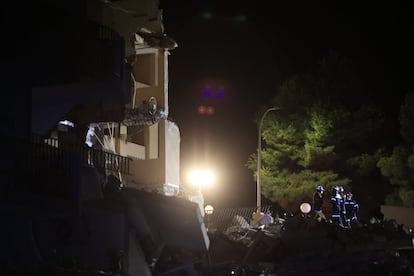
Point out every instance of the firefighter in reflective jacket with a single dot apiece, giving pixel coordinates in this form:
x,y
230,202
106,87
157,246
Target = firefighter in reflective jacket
x,y
317,204
341,192
336,202
351,208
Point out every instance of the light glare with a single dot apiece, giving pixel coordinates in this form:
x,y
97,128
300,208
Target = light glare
x,y
201,177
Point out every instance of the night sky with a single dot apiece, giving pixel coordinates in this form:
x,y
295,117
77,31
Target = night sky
x,y
245,50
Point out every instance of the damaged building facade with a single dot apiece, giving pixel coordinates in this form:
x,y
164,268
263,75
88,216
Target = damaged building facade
x,y
118,92
145,134
90,168
93,169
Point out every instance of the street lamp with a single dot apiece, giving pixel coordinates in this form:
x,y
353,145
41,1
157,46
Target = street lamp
x,y
209,211
305,208
259,160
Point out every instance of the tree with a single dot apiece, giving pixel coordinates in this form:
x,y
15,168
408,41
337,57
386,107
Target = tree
x,y
320,135
398,167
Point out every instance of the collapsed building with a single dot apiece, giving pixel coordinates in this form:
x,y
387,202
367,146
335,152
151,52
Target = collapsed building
x,y
92,182
91,176
302,245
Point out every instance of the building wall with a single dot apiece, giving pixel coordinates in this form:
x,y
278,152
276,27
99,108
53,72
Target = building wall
x,y
131,149
151,172
127,17
402,215
155,154
172,152
153,69
162,172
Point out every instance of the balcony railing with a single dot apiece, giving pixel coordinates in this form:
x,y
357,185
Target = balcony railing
x,y
54,149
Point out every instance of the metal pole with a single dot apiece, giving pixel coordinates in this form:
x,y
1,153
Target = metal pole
x,y
259,160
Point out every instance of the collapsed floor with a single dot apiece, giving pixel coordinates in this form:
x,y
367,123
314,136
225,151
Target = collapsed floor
x,y
303,246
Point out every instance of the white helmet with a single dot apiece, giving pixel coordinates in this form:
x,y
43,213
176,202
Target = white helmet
x,y
320,188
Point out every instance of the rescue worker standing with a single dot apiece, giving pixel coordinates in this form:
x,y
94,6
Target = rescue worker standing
x,y
318,197
336,203
341,192
351,208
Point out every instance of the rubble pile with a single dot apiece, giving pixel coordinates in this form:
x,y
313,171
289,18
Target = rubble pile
x,y
301,245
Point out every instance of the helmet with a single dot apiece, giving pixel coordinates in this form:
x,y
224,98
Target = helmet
x,y
349,195
335,189
320,188
341,189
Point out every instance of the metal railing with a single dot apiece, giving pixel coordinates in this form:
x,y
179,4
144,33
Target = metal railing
x,y
222,218
88,156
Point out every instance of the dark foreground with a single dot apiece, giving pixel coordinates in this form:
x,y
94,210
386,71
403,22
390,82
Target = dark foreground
x,y
306,247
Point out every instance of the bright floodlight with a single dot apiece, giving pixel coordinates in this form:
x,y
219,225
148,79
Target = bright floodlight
x,y
201,178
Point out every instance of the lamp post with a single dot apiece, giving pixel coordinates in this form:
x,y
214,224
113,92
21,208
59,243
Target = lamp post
x,y
209,211
259,160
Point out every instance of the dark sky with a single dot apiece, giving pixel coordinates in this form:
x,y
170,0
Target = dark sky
x,y
247,49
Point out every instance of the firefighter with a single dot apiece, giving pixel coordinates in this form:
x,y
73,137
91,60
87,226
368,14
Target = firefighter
x,y
352,209
342,197
336,203
318,197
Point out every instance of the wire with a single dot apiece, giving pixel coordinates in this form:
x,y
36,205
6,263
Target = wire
x,y
115,7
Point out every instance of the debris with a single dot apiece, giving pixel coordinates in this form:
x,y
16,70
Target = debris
x,y
321,248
